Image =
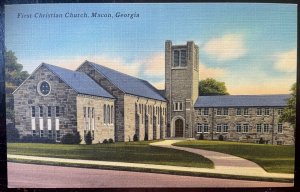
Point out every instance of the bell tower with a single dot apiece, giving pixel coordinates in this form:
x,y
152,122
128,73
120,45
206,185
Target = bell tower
x,y
181,83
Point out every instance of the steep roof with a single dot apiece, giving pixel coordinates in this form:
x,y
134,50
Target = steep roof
x,y
243,101
127,83
78,81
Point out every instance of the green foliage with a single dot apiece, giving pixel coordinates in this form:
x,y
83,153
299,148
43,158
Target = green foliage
x,y
135,137
14,76
201,137
110,140
36,139
105,141
146,137
261,141
210,86
88,138
70,138
289,113
221,138
12,133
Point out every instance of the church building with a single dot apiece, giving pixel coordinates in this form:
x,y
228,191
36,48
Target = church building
x,y
54,101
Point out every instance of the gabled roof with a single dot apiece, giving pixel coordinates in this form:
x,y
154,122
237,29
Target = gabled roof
x,y
243,101
128,84
78,81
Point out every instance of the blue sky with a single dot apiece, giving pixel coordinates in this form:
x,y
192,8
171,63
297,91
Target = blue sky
x,y
251,47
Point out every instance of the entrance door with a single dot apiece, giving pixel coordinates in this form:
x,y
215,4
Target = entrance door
x,y
179,128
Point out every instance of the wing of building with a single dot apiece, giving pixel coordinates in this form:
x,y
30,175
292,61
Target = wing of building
x,y
55,101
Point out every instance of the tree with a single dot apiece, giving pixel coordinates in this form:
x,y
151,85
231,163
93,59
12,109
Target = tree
x,y
211,86
289,112
14,76
88,138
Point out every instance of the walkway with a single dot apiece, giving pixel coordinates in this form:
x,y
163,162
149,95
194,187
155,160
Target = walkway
x,y
225,163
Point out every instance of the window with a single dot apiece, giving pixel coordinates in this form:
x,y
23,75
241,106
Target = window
x,y
179,58
50,134
225,128
219,111
41,111
41,133
239,111
266,127
245,128
205,111
108,114
58,135
44,88
258,128
205,128
199,128
246,111
267,111
178,106
279,128
280,111
219,128
225,111
57,111
49,111
258,111
199,111
33,133
33,111
104,114
238,128
112,115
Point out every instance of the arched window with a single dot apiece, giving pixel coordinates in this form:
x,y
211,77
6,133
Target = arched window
x,y
108,114
104,114
112,114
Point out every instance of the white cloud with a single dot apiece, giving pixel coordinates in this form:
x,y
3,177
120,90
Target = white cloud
x,y
159,85
211,72
154,65
227,47
286,61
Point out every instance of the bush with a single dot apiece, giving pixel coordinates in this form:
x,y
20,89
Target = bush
x,y
36,139
201,137
146,137
135,137
88,138
261,141
12,133
221,138
105,141
110,140
70,138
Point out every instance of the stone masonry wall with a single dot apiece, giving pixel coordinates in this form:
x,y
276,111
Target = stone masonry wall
x,y
61,95
101,130
252,119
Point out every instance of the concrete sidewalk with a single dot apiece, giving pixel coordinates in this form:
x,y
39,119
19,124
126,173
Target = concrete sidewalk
x,y
225,163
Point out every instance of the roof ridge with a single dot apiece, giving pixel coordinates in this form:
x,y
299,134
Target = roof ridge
x,y
242,95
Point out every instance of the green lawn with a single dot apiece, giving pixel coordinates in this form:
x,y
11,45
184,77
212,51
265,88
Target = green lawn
x,y
273,158
135,152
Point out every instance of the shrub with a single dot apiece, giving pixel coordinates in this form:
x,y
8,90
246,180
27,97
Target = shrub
x,y
110,140
105,141
221,138
12,133
261,141
146,137
135,137
201,137
88,138
70,138
36,139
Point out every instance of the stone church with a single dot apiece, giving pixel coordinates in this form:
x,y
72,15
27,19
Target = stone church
x,y
54,101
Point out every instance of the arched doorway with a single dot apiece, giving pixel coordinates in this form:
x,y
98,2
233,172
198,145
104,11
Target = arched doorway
x,y
179,128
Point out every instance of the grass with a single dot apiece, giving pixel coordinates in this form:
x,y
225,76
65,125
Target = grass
x,y
273,158
133,152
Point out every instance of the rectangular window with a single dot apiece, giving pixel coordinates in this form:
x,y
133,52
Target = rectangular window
x,y
205,128
238,111
245,128
50,134
205,111
199,111
58,135
238,128
41,133
246,111
179,58
176,58
259,111
266,128
258,128
33,133
41,111
267,111
280,111
279,128
33,111
219,111
57,111
199,128
178,106
225,111
182,58
225,128
49,111
219,128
